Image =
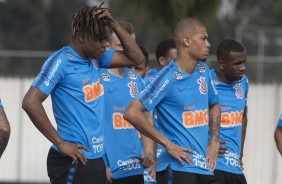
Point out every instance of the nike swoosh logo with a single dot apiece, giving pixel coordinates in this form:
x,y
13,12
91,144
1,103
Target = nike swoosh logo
x,y
75,68
180,89
112,90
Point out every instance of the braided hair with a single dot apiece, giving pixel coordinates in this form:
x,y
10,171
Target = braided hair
x,y
86,21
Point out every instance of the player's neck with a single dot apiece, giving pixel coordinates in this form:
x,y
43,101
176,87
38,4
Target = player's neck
x,y
74,45
222,78
185,63
119,72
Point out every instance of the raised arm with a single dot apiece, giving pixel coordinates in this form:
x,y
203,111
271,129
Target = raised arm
x,y
32,104
131,54
134,114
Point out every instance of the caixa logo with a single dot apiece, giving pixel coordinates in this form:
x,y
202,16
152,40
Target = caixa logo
x,y
47,82
98,144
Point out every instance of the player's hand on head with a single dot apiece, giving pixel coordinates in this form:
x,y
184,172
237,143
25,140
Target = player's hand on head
x,y
74,151
222,149
180,153
213,149
104,15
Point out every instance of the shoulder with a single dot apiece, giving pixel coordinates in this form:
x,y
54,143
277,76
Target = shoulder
x,y
202,68
61,57
105,75
244,81
133,75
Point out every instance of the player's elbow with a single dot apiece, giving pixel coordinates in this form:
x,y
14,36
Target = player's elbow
x,y
278,138
5,129
140,60
128,114
26,103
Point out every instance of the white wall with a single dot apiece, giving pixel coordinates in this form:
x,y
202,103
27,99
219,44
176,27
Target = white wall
x,y
25,157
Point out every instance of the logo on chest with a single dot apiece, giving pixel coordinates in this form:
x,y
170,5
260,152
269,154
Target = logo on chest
x,y
239,90
203,88
133,90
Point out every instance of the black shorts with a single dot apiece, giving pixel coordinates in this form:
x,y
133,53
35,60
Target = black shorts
x,y
184,178
137,179
230,178
62,171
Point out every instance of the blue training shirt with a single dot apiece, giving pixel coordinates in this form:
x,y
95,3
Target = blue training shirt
x,y
77,97
280,121
123,144
152,73
148,79
233,100
1,106
181,102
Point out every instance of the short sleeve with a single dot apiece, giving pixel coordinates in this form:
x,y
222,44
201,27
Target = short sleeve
x,y
280,121
155,91
106,59
213,93
51,74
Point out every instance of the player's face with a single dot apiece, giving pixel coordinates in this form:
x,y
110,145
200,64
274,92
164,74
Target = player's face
x,y
199,44
115,43
141,69
94,48
235,65
172,53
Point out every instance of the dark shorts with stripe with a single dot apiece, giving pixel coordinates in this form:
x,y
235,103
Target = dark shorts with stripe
x,y
62,171
177,177
136,179
230,178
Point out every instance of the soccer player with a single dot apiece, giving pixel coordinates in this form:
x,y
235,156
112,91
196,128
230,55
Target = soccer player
x,y
187,107
72,77
232,86
5,130
278,135
123,144
165,52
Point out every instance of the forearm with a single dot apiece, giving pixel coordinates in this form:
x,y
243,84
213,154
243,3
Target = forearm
x,y
244,130
278,139
32,104
4,131
130,47
149,144
140,122
214,121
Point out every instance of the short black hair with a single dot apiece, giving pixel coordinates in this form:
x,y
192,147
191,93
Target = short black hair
x,y
227,46
86,21
163,47
146,54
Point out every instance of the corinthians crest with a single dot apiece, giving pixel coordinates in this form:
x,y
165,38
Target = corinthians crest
x,y
239,90
203,85
133,90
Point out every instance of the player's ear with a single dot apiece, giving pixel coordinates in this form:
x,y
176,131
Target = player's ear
x,y
81,37
146,70
186,41
162,61
221,64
